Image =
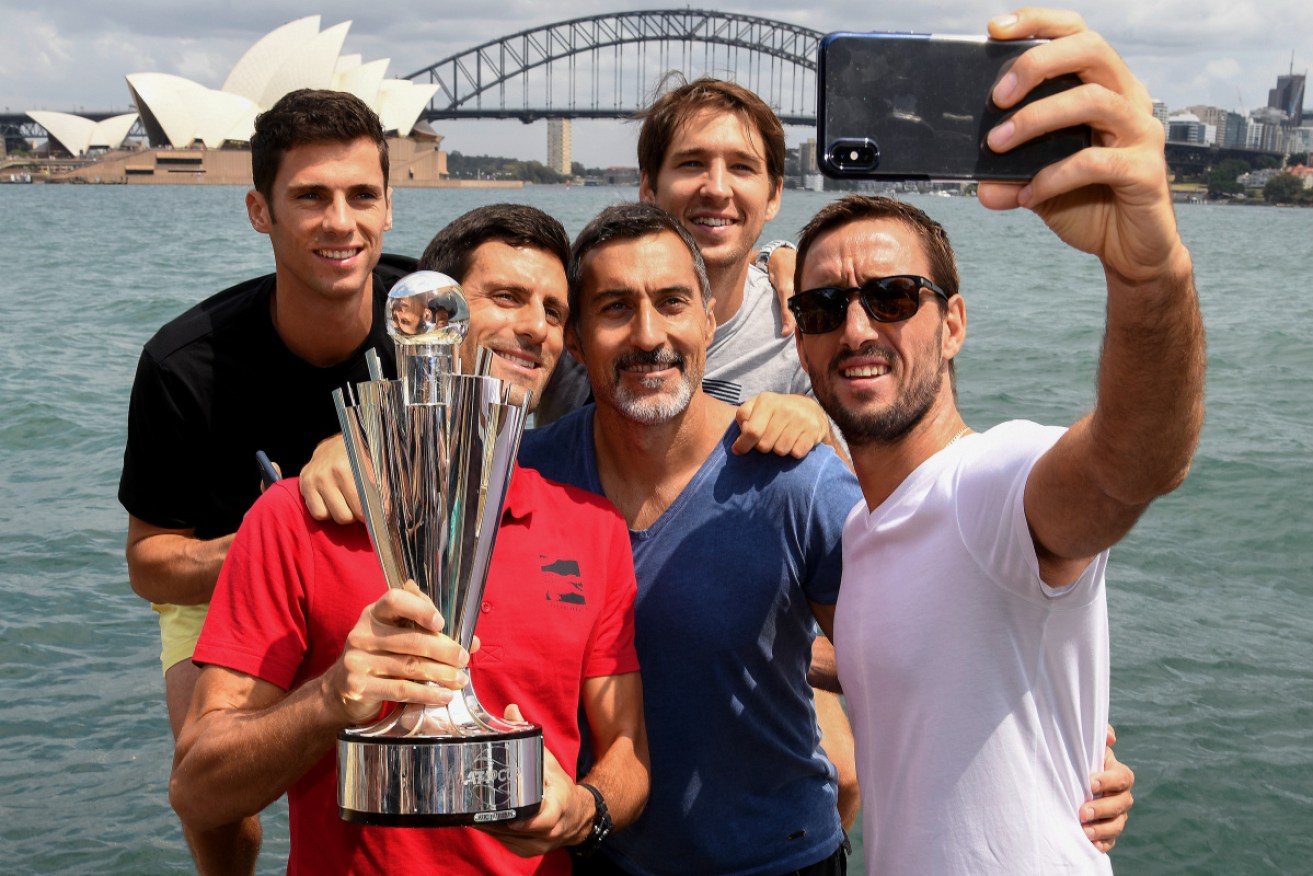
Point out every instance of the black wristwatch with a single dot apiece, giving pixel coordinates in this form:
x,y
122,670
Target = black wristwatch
x,y
601,826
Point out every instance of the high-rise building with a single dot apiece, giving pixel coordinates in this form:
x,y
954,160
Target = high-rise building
x,y
1160,112
807,158
1230,126
1288,97
558,146
1186,128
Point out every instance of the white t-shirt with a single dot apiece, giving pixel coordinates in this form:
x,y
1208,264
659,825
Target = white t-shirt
x,y
978,695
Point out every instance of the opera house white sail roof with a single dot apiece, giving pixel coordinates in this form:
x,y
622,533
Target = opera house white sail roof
x,y
79,135
178,112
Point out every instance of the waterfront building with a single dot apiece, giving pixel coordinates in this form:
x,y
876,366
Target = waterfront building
x,y
1230,126
80,136
558,147
1186,128
1160,113
1288,97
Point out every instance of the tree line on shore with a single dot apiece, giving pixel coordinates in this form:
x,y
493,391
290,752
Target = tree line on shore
x,y
461,166
1223,180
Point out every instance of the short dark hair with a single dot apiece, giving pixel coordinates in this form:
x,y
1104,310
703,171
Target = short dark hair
x,y
663,119
631,221
452,249
859,208
309,116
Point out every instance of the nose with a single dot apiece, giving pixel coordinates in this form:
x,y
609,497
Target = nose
x,y
531,322
715,182
858,327
337,214
647,332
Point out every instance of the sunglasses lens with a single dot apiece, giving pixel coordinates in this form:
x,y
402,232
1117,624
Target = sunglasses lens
x,y
892,299
817,311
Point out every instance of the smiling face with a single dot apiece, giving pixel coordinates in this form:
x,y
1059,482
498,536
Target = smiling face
x,y
325,217
714,179
877,380
517,301
643,328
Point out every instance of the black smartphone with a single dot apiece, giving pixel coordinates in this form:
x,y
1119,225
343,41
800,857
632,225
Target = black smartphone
x,y
268,474
899,106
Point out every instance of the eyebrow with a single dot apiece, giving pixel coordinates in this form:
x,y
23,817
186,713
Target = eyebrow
x,y
298,188
738,154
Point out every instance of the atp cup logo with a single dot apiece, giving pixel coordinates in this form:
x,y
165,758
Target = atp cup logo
x,y
486,771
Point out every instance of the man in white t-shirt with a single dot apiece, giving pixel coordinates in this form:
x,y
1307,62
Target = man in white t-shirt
x,y
971,627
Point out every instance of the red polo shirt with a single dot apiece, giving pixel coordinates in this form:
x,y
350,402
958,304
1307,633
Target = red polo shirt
x,y
557,609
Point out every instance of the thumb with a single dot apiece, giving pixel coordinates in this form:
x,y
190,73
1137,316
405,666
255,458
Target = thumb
x,y
513,714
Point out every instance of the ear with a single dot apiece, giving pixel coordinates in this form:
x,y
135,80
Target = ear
x,y
257,210
646,190
572,341
387,204
773,207
955,328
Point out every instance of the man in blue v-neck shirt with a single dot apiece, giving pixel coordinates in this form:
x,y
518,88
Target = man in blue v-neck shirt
x,y
734,557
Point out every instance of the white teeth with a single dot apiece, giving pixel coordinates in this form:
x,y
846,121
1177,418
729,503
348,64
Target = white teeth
x,y
713,222
337,253
518,360
866,371
646,369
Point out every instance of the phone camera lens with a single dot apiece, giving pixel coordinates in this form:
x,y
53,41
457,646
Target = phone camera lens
x,y
855,155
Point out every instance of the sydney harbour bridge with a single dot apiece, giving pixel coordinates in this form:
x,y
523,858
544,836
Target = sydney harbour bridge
x,y
610,66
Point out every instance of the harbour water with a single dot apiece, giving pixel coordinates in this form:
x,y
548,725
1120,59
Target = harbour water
x,y
1211,597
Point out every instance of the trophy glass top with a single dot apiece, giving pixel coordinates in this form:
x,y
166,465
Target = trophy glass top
x,y
427,308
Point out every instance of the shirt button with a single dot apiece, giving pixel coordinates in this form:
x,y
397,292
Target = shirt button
x,y
486,607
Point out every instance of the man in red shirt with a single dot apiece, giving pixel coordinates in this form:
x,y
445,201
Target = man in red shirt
x,y
304,639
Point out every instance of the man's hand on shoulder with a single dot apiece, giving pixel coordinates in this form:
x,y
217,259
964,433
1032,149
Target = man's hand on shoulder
x,y
780,262
327,485
786,425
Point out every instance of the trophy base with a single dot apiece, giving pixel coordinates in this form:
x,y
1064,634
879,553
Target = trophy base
x,y
442,781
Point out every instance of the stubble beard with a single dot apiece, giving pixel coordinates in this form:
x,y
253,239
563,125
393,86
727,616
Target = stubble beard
x,y
886,426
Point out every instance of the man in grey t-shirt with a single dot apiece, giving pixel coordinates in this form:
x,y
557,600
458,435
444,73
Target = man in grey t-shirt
x,y
712,154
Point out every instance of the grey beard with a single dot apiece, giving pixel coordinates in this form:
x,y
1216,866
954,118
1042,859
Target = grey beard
x,y
651,411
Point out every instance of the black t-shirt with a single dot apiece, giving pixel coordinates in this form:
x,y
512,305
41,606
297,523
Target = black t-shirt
x,y
217,384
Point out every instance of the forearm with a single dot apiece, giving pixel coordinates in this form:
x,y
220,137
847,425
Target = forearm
x,y
232,763
621,769
1149,411
837,743
622,777
175,569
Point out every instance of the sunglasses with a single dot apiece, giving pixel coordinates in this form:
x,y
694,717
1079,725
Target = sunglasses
x,y
885,299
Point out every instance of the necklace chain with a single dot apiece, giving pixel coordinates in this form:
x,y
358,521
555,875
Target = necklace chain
x,y
954,439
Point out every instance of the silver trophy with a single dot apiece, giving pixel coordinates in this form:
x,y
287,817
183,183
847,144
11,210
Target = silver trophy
x,y
432,454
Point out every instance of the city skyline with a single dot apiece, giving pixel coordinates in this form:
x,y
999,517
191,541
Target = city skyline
x,y
74,56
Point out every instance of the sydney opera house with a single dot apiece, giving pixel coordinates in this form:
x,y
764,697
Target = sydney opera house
x,y
196,133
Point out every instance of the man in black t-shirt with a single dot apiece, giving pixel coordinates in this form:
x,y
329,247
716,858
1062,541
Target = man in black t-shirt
x,y
252,368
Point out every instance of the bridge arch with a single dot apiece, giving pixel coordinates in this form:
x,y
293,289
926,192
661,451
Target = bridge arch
x,y
629,52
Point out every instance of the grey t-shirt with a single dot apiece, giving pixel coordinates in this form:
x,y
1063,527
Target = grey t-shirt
x,y
746,358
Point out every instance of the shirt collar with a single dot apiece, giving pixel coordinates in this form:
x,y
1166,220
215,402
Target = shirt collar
x,y
519,497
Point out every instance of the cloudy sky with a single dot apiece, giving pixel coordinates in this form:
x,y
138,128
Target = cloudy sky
x,y
73,54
